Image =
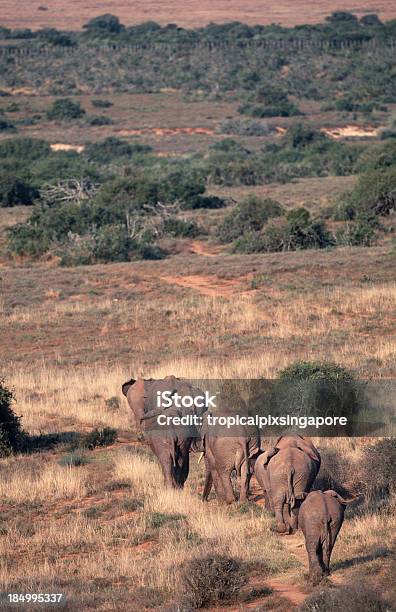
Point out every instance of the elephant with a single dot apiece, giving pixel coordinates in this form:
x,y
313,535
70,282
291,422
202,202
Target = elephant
x,y
320,518
224,454
285,479
172,446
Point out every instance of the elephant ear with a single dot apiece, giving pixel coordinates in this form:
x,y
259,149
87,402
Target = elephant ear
x,y
125,387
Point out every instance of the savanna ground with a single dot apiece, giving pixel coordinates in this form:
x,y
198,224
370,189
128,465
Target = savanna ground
x,y
61,14
105,532
98,525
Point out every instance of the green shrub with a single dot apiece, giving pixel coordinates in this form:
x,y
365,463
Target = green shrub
x,y
207,581
104,151
295,231
378,468
6,126
15,190
360,233
65,109
247,127
73,459
318,388
98,120
99,103
24,149
269,102
375,192
100,437
12,437
203,201
180,228
249,216
104,25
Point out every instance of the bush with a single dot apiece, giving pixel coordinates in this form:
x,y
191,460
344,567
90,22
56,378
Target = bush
x,y
12,437
212,579
334,473
104,25
98,103
296,231
269,102
24,149
100,437
6,125
65,109
361,233
98,120
245,128
180,228
379,468
354,598
104,151
374,193
318,388
249,216
199,201
73,459
15,190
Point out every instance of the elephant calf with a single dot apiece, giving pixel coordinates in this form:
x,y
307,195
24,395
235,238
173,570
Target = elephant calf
x,y
320,518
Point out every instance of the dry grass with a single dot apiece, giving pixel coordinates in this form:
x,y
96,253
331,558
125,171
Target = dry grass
x,y
21,484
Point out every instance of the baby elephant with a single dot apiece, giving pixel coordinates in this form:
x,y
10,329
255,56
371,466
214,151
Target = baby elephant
x,y
320,518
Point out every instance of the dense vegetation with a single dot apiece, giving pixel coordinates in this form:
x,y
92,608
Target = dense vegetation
x,y
116,200
227,60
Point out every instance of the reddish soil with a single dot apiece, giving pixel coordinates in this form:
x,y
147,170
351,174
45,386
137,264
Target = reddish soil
x,y
187,13
206,285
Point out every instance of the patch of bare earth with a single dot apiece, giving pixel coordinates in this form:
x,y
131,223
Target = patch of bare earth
x,y
206,285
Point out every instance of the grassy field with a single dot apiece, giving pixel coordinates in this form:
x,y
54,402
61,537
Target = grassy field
x,y
62,15
104,530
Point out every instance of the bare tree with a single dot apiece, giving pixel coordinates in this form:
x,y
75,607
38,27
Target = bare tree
x,y
69,190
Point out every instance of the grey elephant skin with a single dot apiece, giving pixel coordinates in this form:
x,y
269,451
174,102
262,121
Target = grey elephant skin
x,y
172,447
223,455
286,476
320,518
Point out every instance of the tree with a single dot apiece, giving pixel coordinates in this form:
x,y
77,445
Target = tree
x,y
104,24
342,17
65,109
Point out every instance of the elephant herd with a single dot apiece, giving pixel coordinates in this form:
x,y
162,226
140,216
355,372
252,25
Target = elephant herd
x,y
285,470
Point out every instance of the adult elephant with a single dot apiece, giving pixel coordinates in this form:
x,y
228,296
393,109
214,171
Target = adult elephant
x,y
172,444
223,454
286,474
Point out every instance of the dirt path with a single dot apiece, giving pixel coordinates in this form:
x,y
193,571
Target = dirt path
x,y
202,248
283,585
207,285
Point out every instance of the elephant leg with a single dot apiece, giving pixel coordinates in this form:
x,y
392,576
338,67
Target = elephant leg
x,y
314,551
207,485
245,481
183,469
229,495
168,472
280,526
218,485
290,518
328,546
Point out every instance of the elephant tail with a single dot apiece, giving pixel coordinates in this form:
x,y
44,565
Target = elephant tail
x,y
291,498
